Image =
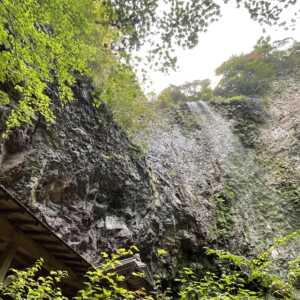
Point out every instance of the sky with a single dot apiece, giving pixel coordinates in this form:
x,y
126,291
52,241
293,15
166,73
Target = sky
x,y
234,34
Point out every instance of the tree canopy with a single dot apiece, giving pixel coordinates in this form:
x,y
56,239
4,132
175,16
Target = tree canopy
x,y
171,23
190,91
46,44
42,44
251,74
233,277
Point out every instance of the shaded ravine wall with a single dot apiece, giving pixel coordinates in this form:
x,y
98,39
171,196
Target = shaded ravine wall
x,y
207,180
237,174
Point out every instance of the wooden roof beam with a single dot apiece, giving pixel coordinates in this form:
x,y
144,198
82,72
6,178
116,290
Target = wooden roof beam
x,y
7,233
5,212
56,252
49,243
21,222
34,231
74,264
65,257
6,259
37,234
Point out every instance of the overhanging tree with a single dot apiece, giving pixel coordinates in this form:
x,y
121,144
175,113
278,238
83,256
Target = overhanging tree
x,y
44,43
171,23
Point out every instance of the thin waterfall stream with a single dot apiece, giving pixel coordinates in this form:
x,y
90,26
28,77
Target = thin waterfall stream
x,y
219,138
207,158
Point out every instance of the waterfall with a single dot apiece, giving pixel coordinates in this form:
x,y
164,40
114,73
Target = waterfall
x,y
216,131
199,156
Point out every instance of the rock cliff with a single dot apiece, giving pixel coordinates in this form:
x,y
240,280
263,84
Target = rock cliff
x,y
220,174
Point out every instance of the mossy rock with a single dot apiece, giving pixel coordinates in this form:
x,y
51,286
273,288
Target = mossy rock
x,y
248,115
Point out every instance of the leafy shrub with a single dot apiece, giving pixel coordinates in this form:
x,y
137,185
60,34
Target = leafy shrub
x,y
27,284
252,74
190,91
105,283
120,89
245,75
45,45
42,43
236,277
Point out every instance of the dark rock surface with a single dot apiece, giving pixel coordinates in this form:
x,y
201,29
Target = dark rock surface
x,y
81,175
84,178
221,156
204,182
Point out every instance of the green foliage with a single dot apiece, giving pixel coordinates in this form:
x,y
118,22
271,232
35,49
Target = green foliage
x,y
42,44
289,60
237,98
46,44
190,91
4,98
294,272
120,89
206,92
197,90
242,75
223,201
105,282
235,277
242,278
170,97
176,23
212,286
286,180
246,75
252,74
161,252
28,284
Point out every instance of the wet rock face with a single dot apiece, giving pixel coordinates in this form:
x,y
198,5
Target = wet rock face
x,y
81,175
221,157
84,178
247,116
204,182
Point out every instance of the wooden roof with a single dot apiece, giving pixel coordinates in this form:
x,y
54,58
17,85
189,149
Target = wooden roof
x,y
34,239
